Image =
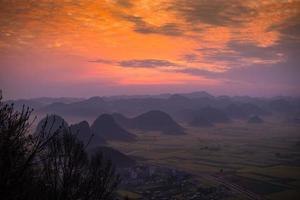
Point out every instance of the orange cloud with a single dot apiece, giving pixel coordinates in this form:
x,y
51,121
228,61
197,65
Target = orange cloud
x,y
144,29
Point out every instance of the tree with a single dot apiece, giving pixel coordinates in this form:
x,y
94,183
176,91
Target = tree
x,y
49,165
18,150
68,173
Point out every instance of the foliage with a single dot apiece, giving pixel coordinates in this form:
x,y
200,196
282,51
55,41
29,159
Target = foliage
x,y
50,165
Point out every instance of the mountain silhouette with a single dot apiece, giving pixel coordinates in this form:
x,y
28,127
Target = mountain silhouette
x,y
244,110
91,107
181,106
196,95
122,120
106,127
117,158
209,114
157,121
84,133
51,123
154,120
178,99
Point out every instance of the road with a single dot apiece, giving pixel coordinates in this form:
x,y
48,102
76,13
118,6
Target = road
x,y
237,188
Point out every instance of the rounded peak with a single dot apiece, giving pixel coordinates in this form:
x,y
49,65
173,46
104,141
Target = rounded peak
x,y
223,97
53,118
106,126
104,118
118,116
52,123
155,113
178,97
198,95
157,120
82,123
105,115
95,98
115,114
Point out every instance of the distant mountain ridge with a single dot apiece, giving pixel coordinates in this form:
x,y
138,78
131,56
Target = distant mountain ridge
x,y
89,107
154,120
176,105
244,110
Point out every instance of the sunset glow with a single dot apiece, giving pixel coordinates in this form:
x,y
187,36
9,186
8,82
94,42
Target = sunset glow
x,y
136,46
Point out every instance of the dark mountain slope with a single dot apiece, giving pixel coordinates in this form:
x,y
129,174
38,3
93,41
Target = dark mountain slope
x,y
51,123
118,159
106,127
84,133
122,120
151,121
157,121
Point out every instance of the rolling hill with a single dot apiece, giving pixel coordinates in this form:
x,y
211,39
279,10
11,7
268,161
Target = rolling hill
x,y
106,127
51,123
85,134
154,120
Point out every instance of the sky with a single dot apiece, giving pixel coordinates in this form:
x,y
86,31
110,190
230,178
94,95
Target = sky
x,y
84,48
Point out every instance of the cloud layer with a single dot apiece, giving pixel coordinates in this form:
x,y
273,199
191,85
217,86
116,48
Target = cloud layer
x,y
122,43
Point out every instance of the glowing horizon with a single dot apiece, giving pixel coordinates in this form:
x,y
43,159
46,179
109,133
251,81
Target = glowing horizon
x,y
108,47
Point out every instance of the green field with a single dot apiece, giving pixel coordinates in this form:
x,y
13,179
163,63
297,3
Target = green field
x,y
262,158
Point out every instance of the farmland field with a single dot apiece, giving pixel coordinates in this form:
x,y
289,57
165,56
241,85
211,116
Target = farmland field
x,y
264,159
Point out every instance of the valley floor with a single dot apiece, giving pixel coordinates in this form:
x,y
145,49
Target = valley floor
x,y
257,161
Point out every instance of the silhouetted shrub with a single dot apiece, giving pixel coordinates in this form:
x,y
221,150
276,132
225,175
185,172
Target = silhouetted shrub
x,y
49,165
